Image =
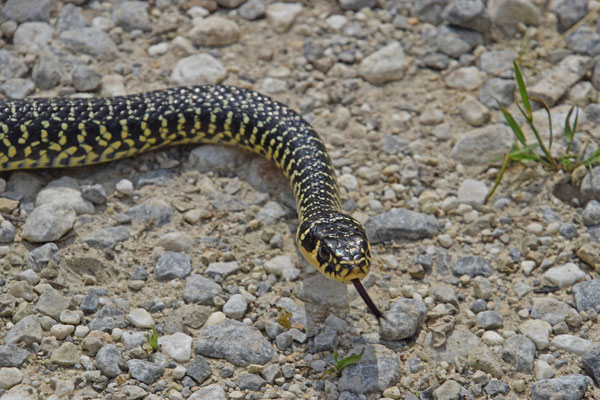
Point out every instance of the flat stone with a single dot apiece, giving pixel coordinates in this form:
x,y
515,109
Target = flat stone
x,y
107,360
465,78
107,238
48,223
250,382
538,331
178,346
52,303
145,371
403,319
198,289
28,10
587,295
567,387
221,270
384,65
140,318
519,352
234,341
66,355
28,330
481,145
591,364
172,265
92,41
312,288
573,344
377,370
451,390
565,275
12,355
401,224
470,14
199,369
21,392
153,210
210,392
490,319
472,266
198,69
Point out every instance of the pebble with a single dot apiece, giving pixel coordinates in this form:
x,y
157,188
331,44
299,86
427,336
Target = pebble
x,y
272,372
591,187
70,17
587,295
198,369
235,307
132,15
218,271
519,352
489,320
64,197
253,9
569,12
384,65
497,90
234,341
498,63
153,210
61,331
281,16
573,344
250,382
93,193
465,78
140,318
506,15
48,222
538,331
125,186
401,224
473,112
198,289
377,370
549,309
565,275
210,392
492,338
591,364
52,303
480,145
107,360
403,319
584,40
145,371
282,266
271,212
12,355
591,213
33,36
178,346
11,66
198,69
470,14
28,330
472,192
66,355
481,358
214,31
107,319
572,387
92,41
9,377
17,88
450,390
27,10
21,392
173,265
472,266
542,370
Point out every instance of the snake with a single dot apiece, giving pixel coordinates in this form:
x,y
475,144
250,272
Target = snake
x,y
69,131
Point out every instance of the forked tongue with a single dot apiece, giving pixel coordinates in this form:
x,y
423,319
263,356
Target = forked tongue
x,y
367,299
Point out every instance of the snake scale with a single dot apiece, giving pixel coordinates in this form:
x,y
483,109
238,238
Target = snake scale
x,y
65,132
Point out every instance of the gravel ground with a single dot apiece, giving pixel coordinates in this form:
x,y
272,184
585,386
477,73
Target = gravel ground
x,y
482,301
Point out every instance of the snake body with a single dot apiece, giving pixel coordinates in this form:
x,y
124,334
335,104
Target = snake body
x,y
65,132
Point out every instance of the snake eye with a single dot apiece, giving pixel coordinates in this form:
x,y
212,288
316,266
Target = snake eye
x,y
323,253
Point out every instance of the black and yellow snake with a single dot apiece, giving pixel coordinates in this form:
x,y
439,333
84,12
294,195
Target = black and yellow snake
x,y
64,132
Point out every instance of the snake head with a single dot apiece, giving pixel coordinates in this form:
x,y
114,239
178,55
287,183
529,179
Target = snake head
x,y
336,245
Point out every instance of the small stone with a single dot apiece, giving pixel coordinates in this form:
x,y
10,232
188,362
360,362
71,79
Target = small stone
x,y
549,309
94,193
250,382
569,12
282,266
591,364
377,370
472,192
253,9
33,36
52,303
473,112
92,41
497,90
565,275
210,392
465,78
591,213
172,265
573,344
198,69
450,390
235,307
48,223
587,295
145,371
12,355
489,320
542,370
401,224
107,360
538,331
198,289
27,10
271,372
70,17
572,387
470,14
480,146
66,355
519,352
498,63
403,319
107,238
132,15
10,377
61,331
140,318
326,340
472,266
506,15
28,330
125,186
497,387
198,369
281,16
430,11
385,65
178,346
214,31
221,270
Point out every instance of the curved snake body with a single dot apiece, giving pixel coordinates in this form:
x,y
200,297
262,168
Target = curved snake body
x,y
64,132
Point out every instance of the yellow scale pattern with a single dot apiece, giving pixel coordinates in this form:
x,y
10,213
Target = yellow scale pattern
x,y
64,132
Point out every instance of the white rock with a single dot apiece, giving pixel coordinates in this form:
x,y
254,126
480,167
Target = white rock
x,y
61,331
198,69
235,307
48,223
179,372
21,392
178,346
281,16
348,181
473,112
492,338
140,318
282,266
385,65
573,344
542,370
158,49
336,22
10,377
125,186
538,331
472,192
215,318
64,197
214,31
565,275
70,317
465,78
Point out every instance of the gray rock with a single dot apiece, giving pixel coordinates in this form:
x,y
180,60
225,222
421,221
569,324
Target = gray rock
x,y
472,266
451,390
52,303
567,387
48,223
172,265
584,40
453,41
87,79
591,187
538,331
377,370
436,61
90,303
155,210
271,213
107,360
473,112
198,289
356,5
465,78
271,372
221,270
234,341
94,193
403,319
549,309
591,364
131,15
519,352
569,12
472,191
326,341
470,14
282,266
214,31
107,238
384,65
251,382
11,66
573,344
480,146
299,313
284,341
66,355
223,160
565,275
253,9
12,356
496,90
176,241
40,257
198,369
107,319
490,320
145,371
28,10
70,17
210,392
591,213
92,41
556,82
498,63
281,16
568,231
33,36
496,386
198,69
429,10
593,109
313,287
587,295
17,88
62,196
235,307
28,330
401,224
508,14
7,232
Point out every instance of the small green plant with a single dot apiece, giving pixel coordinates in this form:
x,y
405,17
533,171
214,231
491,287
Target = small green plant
x,y
153,340
523,151
343,363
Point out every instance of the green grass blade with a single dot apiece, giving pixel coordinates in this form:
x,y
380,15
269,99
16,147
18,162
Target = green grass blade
x,y
593,159
522,89
347,361
570,130
514,126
